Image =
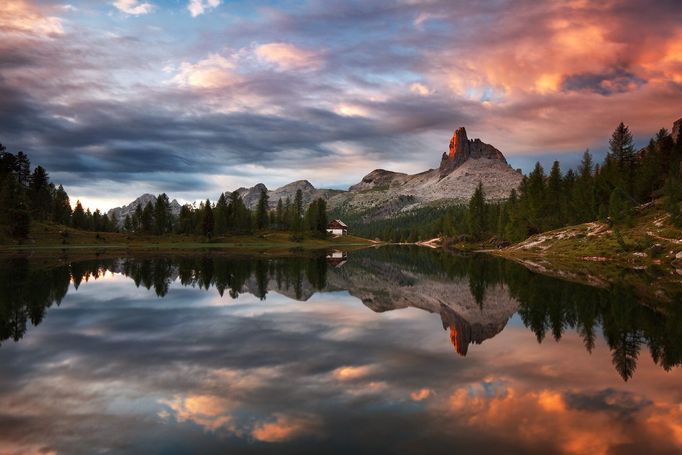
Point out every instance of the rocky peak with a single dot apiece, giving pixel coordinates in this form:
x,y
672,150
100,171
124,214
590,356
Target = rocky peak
x,y
376,178
463,149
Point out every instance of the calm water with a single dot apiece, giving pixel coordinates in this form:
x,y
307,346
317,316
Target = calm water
x,y
388,350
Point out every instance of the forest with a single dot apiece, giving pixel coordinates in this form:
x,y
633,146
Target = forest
x,y
609,191
28,196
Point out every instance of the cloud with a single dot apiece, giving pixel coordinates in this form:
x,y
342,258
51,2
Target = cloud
x,y
286,56
329,84
133,7
198,7
283,428
21,17
420,89
420,395
215,71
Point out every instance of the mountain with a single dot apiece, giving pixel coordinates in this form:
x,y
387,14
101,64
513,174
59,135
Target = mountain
x,y
383,193
310,193
121,212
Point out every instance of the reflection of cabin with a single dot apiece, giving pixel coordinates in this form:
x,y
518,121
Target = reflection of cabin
x,y
337,258
337,227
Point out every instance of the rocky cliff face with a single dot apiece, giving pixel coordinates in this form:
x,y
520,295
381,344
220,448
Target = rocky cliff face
x,y
387,285
120,213
310,193
382,193
462,149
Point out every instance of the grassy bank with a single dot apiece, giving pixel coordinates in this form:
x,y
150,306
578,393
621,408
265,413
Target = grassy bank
x,y
645,253
49,238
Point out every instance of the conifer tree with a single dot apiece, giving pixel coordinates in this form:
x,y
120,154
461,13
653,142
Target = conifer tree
x,y
40,194
162,215
79,218
61,207
220,215
147,218
477,213
262,211
208,222
622,152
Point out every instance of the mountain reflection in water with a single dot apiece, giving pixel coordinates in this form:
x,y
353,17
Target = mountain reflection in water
x,y
480,299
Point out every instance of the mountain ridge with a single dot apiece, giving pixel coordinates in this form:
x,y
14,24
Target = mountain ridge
x,y
386,193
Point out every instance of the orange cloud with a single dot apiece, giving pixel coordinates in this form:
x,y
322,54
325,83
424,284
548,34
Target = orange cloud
x,y
350,373
284,428
421,394
545,418
18,16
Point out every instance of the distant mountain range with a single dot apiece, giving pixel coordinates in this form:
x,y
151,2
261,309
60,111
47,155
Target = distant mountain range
x,y
382,194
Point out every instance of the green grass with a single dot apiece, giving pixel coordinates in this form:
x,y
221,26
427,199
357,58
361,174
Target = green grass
x,y
48,237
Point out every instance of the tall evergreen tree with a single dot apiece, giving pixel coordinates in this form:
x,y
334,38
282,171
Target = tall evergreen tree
x,y
79,218
220,215
61,207
552,210
622,151
477,213
583,193
262,211
208,222
147,219
40,194
162,215
297,211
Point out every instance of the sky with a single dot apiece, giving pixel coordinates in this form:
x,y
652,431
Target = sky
x,y
195,97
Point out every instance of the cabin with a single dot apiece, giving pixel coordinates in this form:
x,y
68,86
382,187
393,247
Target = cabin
x,y
337,258
337,228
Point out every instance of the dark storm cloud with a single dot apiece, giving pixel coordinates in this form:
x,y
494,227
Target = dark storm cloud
x,y
617,81
622,404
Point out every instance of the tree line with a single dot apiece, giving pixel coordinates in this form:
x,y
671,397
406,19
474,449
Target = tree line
x,y
609,191
229,215
28,195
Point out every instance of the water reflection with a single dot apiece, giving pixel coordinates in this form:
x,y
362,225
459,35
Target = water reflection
x,y
474,295
210,354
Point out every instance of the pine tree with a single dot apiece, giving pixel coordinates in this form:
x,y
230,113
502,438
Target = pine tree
x,y
40,194
147,218
620,208
61,207
14,214
297,212
262,211
622,151
23,170
534,198
477,213
220,215
583,193
208,222
321,218
162,216
78,218
552,209
128,224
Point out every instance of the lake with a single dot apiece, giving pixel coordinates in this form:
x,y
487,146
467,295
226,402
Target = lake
x,y
396,349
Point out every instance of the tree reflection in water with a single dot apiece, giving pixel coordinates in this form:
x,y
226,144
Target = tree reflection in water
x,y
384,279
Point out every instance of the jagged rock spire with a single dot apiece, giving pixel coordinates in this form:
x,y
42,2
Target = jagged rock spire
x,y
462,149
